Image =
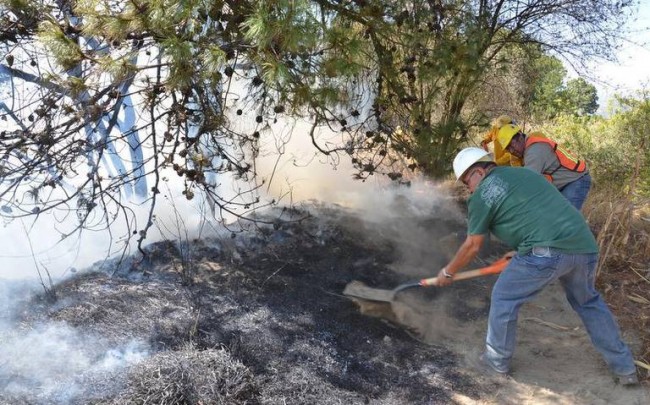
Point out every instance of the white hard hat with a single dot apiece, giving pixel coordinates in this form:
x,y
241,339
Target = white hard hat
x,y
467,157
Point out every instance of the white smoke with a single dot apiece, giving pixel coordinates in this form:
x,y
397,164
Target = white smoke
x,y
28,247
56,362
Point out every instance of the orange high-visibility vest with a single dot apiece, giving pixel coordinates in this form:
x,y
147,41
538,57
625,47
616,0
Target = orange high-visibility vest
x,y
564,156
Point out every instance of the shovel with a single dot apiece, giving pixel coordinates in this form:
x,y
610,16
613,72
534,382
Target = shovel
x,y
357,289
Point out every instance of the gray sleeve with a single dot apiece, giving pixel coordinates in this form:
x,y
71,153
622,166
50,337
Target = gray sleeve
x,y
540,158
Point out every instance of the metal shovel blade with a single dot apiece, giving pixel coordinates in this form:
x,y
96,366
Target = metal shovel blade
x,y
358,289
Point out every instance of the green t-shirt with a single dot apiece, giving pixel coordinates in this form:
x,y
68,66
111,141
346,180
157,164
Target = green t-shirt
x,y
524,210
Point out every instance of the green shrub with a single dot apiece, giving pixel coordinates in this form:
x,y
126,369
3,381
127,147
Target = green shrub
x,y
617,148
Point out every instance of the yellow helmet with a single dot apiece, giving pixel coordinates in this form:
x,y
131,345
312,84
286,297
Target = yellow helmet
x,y
506,133
497,123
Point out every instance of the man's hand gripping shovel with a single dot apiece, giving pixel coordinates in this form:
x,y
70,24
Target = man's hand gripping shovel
x,y
357,289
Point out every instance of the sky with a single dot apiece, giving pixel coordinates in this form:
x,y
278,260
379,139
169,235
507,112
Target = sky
x,y
632,71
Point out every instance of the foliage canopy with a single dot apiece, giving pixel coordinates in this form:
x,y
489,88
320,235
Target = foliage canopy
x,y
116,92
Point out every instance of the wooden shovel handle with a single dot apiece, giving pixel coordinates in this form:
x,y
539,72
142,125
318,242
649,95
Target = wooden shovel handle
x,y
494,268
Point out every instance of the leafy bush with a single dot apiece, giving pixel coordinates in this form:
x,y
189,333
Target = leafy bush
x,y
617,148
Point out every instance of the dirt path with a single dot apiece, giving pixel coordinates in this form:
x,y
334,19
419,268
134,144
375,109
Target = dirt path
x,y
555,362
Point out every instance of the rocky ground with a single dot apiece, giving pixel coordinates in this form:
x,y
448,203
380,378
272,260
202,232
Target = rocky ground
x,y
259,318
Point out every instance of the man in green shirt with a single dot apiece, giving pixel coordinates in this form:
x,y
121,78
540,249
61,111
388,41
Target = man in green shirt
x,y
552,242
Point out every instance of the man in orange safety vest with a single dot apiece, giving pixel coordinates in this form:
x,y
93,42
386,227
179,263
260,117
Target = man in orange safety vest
x,y
542,155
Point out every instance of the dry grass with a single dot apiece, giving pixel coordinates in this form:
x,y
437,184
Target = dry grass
x,y
622,227
189,376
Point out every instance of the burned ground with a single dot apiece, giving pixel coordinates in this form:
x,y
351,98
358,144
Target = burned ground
x,y
260,315
260,319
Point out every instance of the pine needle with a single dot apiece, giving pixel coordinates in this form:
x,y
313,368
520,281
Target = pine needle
x,y
640,275
641,364
638,299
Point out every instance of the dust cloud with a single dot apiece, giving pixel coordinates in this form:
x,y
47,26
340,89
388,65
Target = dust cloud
x,y
422,219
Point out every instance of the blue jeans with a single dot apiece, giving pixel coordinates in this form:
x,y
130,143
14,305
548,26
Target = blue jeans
x,y
526,276
576,192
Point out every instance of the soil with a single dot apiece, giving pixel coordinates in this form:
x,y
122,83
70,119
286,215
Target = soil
x,y
260,319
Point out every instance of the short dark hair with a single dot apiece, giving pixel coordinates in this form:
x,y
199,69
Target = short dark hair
x,y
484,165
